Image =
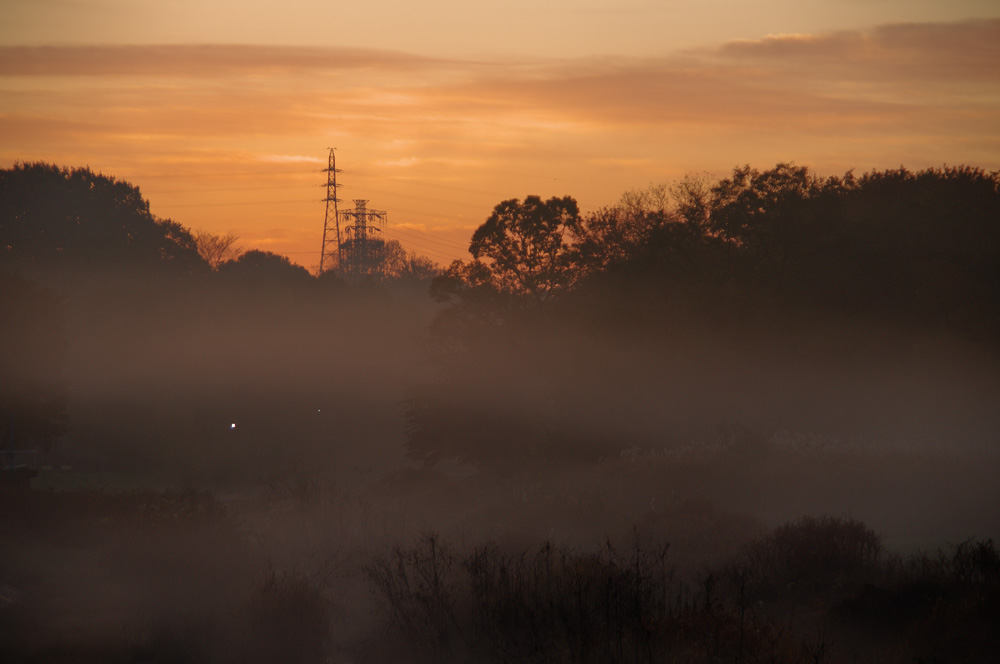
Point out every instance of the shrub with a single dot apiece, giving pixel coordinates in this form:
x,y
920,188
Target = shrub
x,y
812,558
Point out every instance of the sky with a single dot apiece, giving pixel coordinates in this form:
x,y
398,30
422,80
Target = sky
x,y
223,112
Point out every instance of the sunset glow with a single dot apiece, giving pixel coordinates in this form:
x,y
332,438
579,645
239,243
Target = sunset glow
x,y
439,114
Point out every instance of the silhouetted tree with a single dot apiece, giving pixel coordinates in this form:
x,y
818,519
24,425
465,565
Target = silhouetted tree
x,y
890,243
407,266
216,249
71,218
692,200
256,268
611,236
926,243
753,259
524,247
765,214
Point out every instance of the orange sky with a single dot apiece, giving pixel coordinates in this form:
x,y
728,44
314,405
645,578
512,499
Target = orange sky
x,y
225,125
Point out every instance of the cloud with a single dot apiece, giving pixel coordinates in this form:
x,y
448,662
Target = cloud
x,y
846,80
591,127
195,60
857,84
290,159
403,162
873,78
967,50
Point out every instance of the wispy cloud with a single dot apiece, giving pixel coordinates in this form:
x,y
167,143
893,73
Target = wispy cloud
x,y
290,159
195,60
939,77
966,51
877,77
918,94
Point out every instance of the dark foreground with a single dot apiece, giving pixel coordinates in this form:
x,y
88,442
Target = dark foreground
x,y
302,573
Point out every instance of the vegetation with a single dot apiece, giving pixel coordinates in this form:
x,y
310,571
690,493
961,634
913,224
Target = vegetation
x,y
55,218
178,576
617,422
809,591
916,246
778,264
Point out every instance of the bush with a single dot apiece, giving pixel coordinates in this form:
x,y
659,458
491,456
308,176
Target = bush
x,y
812,558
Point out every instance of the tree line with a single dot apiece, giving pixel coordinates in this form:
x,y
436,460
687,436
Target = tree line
x,y
923,244
68,219
920,246
767,299
778,247
81,250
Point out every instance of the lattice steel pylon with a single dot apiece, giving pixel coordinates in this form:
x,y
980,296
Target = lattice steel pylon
x,y
329,260
362,251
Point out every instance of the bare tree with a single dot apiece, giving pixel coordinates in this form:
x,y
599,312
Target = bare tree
x,y
217,249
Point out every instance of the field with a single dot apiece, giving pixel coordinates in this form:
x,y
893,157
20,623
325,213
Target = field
x,y
653,556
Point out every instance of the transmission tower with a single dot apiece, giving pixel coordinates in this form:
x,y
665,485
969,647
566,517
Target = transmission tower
x,y
328,259
362,252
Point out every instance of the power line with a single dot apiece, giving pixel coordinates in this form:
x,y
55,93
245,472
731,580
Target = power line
x,y
219,174
424,183
216,190
413,196
234,203
442,251
431,215
427,237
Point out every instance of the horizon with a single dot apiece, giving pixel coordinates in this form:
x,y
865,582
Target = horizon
x,y
226,127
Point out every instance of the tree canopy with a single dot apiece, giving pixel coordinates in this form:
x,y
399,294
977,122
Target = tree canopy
x,y
524,246
264,268
899,243
754,258
59,217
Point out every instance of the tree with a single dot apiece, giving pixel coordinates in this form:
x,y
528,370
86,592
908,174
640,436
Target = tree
x,y
692,197
73,218
752,206
264,268
926,242
401,265
892,244
613,236
217,249
524,247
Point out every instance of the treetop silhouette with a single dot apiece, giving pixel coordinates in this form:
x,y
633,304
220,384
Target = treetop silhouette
x,y
73,218
526,246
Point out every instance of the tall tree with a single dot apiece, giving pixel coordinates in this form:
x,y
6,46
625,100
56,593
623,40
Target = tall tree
x,y
525,246
612,236
71,218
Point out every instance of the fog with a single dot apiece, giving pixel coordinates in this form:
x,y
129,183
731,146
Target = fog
x,y
264,470
546,429
309,380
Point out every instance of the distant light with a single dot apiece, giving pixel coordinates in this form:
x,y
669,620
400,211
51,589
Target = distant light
x,y
319,410
233,425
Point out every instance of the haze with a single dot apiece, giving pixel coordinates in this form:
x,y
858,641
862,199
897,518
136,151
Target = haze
x,y
680,343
